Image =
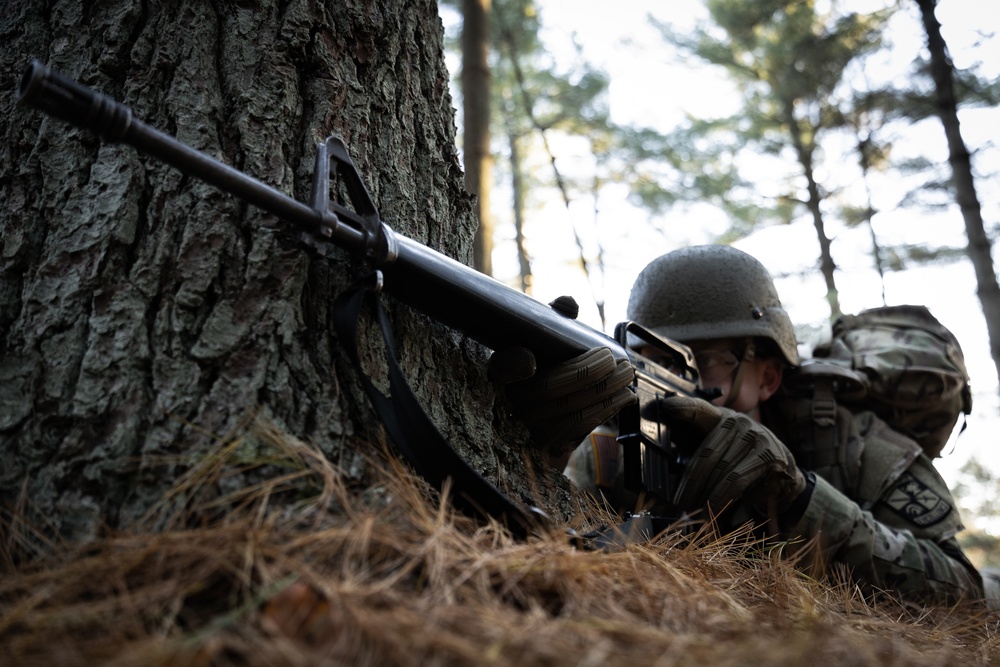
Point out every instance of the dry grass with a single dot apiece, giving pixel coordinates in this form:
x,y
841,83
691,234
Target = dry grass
x,y
384,575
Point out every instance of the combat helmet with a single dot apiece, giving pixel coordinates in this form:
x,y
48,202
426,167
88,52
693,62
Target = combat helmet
x,y
708,292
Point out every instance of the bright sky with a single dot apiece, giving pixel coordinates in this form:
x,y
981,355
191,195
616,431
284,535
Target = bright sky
x,y
647,90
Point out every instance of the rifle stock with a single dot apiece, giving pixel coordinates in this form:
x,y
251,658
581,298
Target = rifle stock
x,y
484,309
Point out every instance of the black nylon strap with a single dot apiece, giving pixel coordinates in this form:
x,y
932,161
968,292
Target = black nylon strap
x,y
409,426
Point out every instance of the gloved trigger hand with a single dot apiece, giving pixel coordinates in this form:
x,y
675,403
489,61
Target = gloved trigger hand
x,y
689,419
562,403
740,459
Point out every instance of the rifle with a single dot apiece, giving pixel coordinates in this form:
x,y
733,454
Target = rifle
x,y
456,295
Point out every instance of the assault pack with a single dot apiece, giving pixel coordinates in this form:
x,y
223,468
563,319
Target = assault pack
x,y
899,362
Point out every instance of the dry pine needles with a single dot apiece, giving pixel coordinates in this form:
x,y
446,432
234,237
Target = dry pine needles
x,y
389,575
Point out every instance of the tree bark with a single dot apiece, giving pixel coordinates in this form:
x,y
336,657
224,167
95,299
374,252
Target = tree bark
x,y
144,315
980,248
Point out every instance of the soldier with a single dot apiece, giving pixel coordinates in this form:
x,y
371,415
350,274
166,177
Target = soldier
x,y
862,494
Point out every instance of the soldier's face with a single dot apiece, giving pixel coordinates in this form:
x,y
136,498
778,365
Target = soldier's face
x,y
718,362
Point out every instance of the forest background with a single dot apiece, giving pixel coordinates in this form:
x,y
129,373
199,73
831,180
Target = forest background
x,y
192,473
578,223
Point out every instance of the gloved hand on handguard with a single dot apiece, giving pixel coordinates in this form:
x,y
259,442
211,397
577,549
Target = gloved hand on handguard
x,y
561,404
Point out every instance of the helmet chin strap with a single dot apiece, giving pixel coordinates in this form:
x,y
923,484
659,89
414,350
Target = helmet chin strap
x,y
749,353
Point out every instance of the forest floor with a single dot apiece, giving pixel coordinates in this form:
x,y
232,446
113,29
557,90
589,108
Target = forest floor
x,y
389,575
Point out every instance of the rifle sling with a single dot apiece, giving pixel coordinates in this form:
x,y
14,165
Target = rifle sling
x,y
412,431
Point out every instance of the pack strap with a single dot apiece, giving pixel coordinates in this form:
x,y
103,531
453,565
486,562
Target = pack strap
x,y
824,383
412,431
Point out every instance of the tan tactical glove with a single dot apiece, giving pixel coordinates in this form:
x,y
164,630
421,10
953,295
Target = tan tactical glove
x,y
738,458
563,403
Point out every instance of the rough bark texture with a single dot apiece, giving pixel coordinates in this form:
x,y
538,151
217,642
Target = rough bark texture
x,y
143,314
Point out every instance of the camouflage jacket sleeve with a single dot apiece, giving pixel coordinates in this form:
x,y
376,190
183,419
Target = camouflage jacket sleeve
x,y
904,542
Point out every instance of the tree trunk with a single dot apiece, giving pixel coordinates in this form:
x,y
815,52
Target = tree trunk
x,y
517,205
865,148
144,315
980,248
476,111
805,156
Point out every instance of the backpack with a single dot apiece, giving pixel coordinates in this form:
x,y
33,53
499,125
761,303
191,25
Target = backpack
x,y
901,363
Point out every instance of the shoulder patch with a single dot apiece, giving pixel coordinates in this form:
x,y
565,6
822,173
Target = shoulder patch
x,y
916,502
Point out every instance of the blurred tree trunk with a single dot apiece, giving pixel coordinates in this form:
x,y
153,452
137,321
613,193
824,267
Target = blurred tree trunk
x,y
979,248
804,151
144,315
476,84
517,195
867,152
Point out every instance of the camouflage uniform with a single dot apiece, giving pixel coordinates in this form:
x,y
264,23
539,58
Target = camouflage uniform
x,y
877,506
874,501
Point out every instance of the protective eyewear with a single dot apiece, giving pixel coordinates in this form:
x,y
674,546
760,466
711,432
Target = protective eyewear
x,y
716,366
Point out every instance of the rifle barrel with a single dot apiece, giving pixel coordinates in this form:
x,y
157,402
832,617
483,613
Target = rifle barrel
x,y
112,121
457,295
